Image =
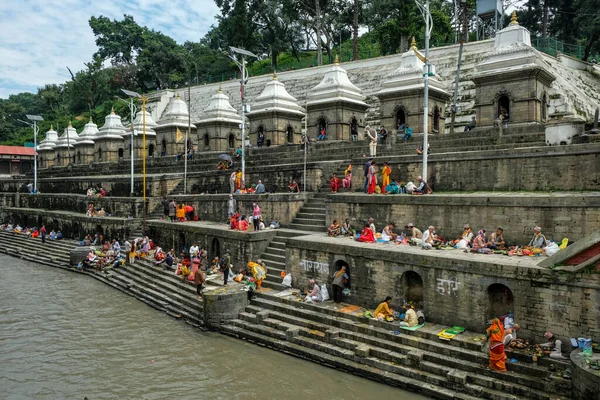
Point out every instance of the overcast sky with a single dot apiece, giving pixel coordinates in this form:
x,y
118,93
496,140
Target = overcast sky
x,y
40,38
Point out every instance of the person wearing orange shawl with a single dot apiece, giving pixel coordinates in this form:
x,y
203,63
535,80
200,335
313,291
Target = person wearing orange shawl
x,y
347,181
367,235
385,173
238,179
383,311
243,224
233,221
334,184
495,334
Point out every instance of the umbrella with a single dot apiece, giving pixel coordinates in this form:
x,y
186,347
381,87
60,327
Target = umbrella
x,y
225,157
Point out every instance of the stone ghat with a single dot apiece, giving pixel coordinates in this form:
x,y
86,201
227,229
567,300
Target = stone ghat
x,y
560,214
455,288
71,224
327,334
574,167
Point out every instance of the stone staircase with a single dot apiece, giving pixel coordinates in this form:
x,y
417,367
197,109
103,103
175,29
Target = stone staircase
x,y
274,258
54,253
414,360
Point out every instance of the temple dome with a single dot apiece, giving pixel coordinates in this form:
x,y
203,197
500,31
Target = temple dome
x,y
138,124
89,133
274,97
220,110
409,75
50,140
336,86
112,128
68,138
177,114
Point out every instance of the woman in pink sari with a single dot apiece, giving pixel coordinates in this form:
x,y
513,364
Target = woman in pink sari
x,y
372,178
347,181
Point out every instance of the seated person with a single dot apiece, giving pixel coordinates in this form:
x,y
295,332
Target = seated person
x,y
538,241
383,310
496,240
334,229
407,133
414,234
275,225
393,188
238,152
234,221
334,184
471,125
510,334
479,242
322,135
553,348
294,188
420,148
429,238
222,165
243,224
465,239
102,213
388,234
410,317
314,293
367,235
347,229
59,235
423,187
52,235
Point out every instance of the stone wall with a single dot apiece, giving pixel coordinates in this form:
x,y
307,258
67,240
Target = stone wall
x,y
542,169
222,305
279,206
73,226
560,215
456,287
215,238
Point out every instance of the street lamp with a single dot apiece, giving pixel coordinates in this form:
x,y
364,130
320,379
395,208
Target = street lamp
x,y
424,8
244,72
35,119
132,110
144,99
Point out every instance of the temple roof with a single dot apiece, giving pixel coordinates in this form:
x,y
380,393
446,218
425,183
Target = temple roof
x,y
409,75
112,128
88,134
274,97
336,86
138,124
177,114
512,52
50,140
68,138
219,110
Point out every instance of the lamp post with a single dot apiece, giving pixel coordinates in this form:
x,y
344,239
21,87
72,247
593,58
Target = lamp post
x,y
35,119
132,110
244,72
144,99
424,8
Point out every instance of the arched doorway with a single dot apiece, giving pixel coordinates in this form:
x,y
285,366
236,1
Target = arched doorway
x,y
400,118
206,140
412,288
181,242
500,300
99,154
290,134
151,150
436,119
121,152
163,147
231,141
78,157
42,165
321,125
338,265
215,248
503,106
58,160
544,107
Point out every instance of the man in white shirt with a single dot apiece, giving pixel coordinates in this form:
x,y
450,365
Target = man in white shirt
x,y
428,238
194,250
372,137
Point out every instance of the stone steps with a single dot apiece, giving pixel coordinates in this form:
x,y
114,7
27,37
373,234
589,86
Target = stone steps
x,y
448,362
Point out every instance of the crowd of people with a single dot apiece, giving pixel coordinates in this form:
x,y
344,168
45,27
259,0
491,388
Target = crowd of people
x,y
96,192
241,222
32,232
468,240
178,211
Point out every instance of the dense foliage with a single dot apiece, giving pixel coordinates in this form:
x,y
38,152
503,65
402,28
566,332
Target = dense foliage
x,y
285,34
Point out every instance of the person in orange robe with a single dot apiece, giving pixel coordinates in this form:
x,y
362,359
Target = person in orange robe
x,y
367,235
495,334
385,173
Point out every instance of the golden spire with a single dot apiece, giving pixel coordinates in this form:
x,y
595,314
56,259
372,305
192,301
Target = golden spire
x,y
70,126
177,97
274,75
337,60
220,89
513,18
413,47
51,127
413,43
112,110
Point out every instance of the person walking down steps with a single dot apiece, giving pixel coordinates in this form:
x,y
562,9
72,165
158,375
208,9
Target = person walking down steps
x,y
372,137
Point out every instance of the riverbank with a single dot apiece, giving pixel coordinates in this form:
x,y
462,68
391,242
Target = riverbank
x,y
335,336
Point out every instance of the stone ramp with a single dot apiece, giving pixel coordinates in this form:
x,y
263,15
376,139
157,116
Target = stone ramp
x,y
326,334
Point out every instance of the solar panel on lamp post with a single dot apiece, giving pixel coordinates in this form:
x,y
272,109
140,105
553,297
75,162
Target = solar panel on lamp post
x,y
35,119
242,66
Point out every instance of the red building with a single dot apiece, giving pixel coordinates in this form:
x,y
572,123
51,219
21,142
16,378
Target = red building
x,y
16,160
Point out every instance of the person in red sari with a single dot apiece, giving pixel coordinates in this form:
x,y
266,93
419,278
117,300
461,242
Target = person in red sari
x,y
233,221
367,235
372,178
495,334
243,224
334,184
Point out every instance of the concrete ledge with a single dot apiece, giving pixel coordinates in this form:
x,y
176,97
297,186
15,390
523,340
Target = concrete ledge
x,y
223,305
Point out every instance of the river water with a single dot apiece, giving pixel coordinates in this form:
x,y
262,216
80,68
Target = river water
x,y
68,336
